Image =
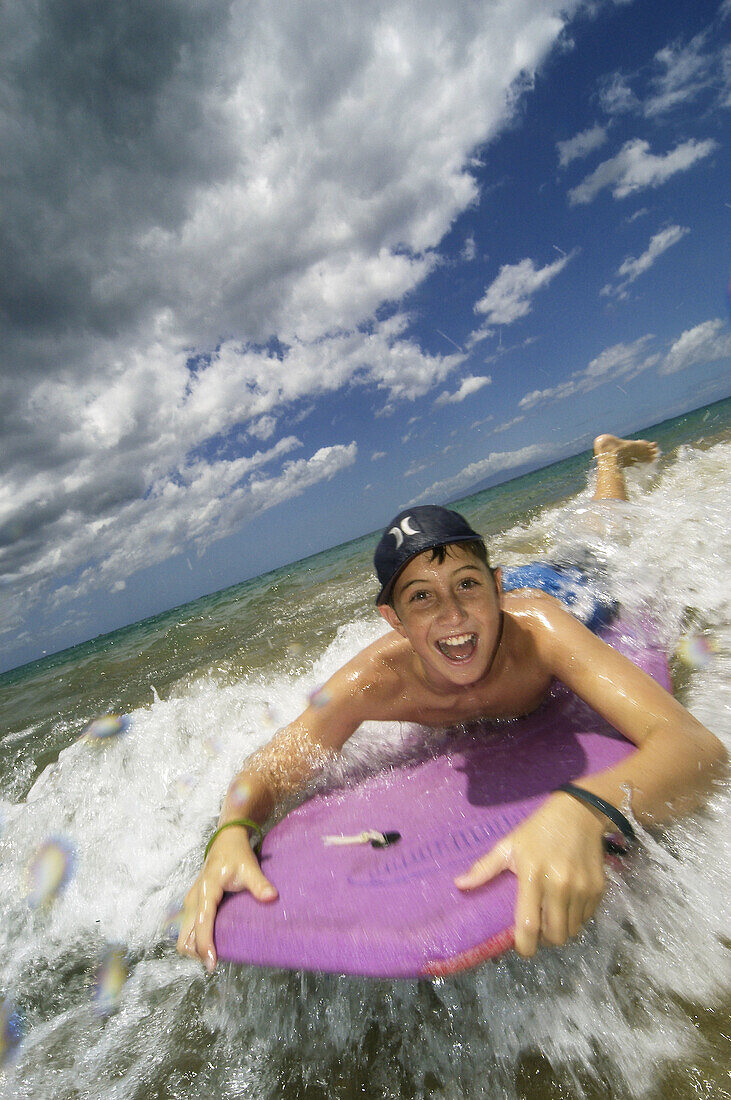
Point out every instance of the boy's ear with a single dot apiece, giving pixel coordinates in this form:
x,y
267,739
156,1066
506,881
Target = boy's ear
x,y
388,613
497,576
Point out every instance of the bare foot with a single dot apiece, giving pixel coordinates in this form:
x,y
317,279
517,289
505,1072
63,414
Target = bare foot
x,y
628,451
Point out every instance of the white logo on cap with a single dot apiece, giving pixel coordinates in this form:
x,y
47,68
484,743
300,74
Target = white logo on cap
x,y
404,528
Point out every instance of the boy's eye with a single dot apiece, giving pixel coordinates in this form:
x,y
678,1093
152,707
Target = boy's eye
x,y
468,582
420,594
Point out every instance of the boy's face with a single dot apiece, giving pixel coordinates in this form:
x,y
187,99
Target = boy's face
x,y
450,613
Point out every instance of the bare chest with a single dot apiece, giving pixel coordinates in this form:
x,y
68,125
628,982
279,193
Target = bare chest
x,y
509,697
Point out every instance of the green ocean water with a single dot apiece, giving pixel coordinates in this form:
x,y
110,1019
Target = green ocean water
x,y
638,1008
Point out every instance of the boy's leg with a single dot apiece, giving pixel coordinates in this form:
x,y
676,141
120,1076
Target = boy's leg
x,y
612,455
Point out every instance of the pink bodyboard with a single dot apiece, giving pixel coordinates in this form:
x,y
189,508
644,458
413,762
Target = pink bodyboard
x,y
395,911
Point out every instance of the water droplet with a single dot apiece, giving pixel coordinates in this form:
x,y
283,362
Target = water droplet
x,y
239,793
696,650
319,697
49,871
110,725
184,784
12,1029
110,981
173,921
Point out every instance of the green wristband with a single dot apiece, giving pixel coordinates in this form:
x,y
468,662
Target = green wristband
x,y
246,822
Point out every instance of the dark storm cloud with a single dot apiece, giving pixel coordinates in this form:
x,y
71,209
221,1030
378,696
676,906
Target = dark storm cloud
x,y
107,127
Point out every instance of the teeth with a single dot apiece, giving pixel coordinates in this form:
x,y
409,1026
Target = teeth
x,y
460,639
459,647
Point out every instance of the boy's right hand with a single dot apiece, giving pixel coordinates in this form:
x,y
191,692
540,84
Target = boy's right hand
x,y
231,866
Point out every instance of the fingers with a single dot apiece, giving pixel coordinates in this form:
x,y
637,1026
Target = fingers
x,y
528,917
566,904
554,900
256,882
186,937
575,916
210,897
196,939
485,868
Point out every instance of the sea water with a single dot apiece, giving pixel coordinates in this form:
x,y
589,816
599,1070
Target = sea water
x,y
102,829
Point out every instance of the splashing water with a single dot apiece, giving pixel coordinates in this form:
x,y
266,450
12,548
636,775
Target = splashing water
x,y
633,1008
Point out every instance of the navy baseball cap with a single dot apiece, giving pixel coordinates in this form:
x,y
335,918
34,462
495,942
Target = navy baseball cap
x,y
410,533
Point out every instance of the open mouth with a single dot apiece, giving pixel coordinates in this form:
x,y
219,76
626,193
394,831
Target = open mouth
x,y
459,648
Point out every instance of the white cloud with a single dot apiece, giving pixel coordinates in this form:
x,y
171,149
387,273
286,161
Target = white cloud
x,y
469,249
193,507
635,168
618,361
660,243
678,74
616,96
477,336
416,467
705,343
580,145
140,445
297,476
509,296
377,455
263,428
683,72
213,504
496,462
632,268
508,424
469,385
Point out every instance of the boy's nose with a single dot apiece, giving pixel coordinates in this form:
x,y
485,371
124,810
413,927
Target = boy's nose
x,y
452,610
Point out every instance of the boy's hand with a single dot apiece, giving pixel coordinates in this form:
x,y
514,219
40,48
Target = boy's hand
x,y
558,858
231,866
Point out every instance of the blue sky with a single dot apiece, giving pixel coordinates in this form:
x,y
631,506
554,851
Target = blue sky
x,y
272,275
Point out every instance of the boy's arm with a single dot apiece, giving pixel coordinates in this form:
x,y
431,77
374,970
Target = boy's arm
x,y
557,853
677,755
277,771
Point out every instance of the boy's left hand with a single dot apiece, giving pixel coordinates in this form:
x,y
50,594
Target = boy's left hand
x,y
558,858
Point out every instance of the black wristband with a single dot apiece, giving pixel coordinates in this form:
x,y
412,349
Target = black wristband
x,y
605,807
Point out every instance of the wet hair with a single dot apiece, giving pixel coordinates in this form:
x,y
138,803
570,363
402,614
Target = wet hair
x,y
475,547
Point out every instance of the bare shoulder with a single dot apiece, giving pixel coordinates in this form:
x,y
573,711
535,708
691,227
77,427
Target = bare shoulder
x,y
371,679
552,633
538,613
572,653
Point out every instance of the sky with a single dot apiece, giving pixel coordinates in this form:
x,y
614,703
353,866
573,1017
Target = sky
x,y
270,273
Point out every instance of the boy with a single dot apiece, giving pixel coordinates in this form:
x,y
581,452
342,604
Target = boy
x,y
459,650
